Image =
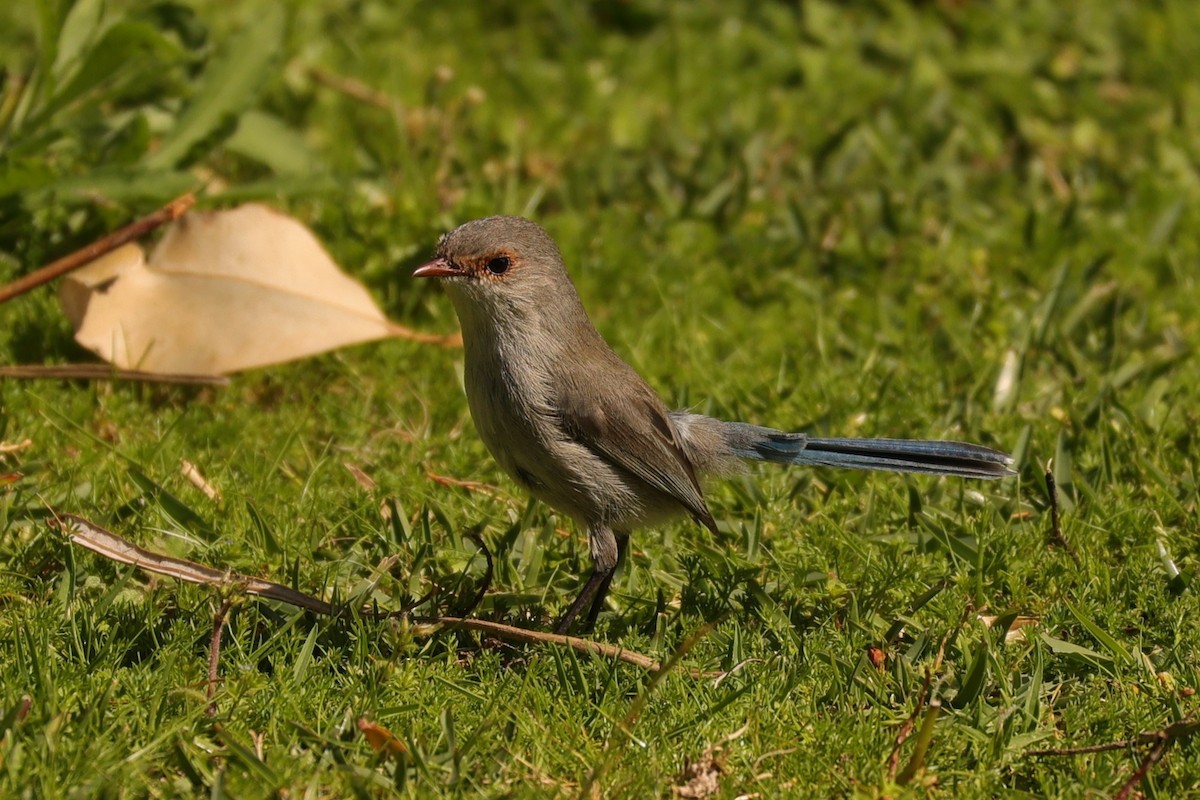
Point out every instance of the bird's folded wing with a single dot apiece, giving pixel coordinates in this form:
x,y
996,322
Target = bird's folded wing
x,y
631,430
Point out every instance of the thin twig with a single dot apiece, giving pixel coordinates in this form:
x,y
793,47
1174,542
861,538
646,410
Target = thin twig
x,y
524,636
1082,750
923,697
1153,757
924,739
1055,523
214,653
108,544
460,483
420,601
487,575
1159,741
105,372
135,230
907,727
1173,732
355,89
111,546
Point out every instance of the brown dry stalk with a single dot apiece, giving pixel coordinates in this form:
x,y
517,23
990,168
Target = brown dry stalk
x,y
1056,533
402,332
907,728
1170,733
193,475
1159,741
108,544
111,546
214,654
105,372
511,634
461,483
1152,757
924,739
135,230
353,88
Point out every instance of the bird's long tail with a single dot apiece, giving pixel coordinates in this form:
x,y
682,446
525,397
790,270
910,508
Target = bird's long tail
x,y
717,447
894,455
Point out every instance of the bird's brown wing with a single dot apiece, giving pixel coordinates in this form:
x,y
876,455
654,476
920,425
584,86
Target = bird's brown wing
x,y
629,428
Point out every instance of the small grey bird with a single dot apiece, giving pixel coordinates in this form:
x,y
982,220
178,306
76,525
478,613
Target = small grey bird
x,y
579,429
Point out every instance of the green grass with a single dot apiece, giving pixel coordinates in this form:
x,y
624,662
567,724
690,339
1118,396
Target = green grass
x,y
835,219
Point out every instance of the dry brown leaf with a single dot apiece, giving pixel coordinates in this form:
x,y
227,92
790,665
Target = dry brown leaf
x,y
877,657
702,778
382,740
223,291
360,477
1015,630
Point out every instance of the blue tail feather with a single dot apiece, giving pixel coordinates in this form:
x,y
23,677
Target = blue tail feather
x,y
895,455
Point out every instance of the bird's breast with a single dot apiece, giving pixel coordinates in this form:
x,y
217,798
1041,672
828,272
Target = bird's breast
x,y
511,397
513,412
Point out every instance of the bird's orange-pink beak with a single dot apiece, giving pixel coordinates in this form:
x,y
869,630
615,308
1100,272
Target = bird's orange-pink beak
x,y
438,268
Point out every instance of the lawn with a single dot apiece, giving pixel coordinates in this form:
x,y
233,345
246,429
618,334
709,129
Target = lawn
x,y
922,219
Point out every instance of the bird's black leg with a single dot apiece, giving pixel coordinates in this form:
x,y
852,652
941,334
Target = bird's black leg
x,y
602,592
599,577
606,548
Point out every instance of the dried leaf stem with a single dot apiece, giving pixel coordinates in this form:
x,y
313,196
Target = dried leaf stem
x,y
135,230
1056,533
108,544
103,372
1158,742
214,653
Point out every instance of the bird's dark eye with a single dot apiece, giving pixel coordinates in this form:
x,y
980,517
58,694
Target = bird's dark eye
x,y
499,265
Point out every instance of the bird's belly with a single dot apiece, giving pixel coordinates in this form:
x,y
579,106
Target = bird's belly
x,y
534,463
529,445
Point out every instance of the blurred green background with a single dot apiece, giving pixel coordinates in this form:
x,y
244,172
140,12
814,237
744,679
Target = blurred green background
x,y
925,219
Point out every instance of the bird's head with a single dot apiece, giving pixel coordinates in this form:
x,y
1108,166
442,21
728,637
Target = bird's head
x,y
501,268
